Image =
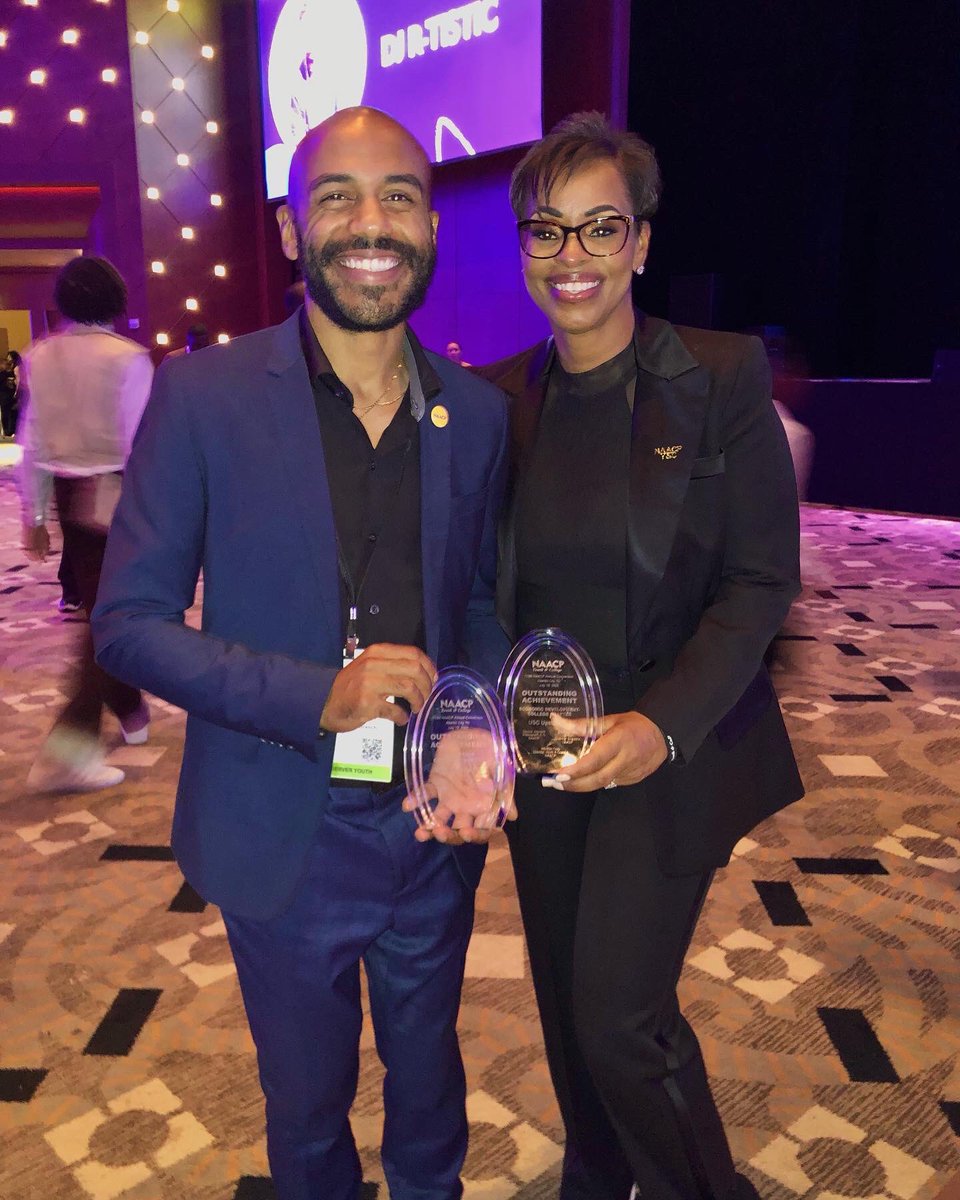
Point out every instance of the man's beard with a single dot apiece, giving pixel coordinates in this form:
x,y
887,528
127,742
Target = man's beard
x,y
370,313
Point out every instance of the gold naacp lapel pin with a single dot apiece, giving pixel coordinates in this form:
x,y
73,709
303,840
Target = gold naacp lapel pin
x,y
666,452
439,416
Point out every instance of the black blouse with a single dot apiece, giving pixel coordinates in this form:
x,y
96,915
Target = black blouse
x,y
571,521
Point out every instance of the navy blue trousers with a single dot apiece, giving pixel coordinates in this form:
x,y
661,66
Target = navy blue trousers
x,y
370,893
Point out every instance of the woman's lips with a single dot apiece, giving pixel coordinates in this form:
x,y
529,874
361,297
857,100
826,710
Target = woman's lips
x,y
574,291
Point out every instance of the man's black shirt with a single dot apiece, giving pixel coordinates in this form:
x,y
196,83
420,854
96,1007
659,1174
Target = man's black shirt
x,y
375,493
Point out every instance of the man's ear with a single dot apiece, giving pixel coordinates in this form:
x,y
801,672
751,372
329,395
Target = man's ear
x,y
289,242
434,221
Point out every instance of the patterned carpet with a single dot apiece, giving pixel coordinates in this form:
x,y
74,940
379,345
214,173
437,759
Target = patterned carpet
x,y
824,981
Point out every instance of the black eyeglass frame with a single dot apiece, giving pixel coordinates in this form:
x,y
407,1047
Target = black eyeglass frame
x,y
566,230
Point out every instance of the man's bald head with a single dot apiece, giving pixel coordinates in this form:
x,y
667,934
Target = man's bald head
x,y
358,220
359,125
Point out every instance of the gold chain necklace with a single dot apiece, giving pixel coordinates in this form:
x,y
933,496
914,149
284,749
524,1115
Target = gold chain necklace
x,y
380,401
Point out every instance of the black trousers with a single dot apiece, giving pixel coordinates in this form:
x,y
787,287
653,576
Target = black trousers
x,y
69,587
9,411
607,933
91,687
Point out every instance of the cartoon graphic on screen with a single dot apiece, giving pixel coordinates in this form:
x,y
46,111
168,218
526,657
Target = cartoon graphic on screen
x,y
317,65
451,127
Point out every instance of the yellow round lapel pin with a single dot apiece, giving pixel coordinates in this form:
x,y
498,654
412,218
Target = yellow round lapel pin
x,y
439,416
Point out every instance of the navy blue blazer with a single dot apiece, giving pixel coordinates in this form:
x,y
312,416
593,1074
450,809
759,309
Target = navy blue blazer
x,y
227,477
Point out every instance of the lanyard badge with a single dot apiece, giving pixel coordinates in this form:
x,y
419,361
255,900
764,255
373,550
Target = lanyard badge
x,y
364,754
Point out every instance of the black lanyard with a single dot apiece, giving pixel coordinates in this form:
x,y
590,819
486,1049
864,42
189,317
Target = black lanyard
x,y
354,590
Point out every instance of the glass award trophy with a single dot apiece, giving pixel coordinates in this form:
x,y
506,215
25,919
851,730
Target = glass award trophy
x,y
548,674
456,753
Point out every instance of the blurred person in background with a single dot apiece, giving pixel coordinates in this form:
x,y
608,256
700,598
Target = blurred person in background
x,y
88,387
294,296
10,394
791,389
198,338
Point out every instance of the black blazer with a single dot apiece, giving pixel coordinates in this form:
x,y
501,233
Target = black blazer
x,y
712,567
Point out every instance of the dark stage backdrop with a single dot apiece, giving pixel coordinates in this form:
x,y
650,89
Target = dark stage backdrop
x,y
810,154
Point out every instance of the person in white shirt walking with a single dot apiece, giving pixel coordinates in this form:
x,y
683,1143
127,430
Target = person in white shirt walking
x,y
88,387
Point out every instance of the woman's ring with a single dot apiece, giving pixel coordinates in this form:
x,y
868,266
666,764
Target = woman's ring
x,y
611,784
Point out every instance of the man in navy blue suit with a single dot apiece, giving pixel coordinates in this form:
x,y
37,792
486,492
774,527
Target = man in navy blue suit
x,y
339,488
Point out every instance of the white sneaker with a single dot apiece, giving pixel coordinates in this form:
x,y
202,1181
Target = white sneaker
x,y
71,761
62,777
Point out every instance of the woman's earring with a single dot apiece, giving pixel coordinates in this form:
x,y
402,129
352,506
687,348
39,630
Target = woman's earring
x,y
640,270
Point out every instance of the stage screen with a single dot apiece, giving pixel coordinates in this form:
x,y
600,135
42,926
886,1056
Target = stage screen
x,y
463,80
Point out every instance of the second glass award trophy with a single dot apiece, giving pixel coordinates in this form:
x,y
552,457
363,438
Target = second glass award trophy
x,y
456,753
548,674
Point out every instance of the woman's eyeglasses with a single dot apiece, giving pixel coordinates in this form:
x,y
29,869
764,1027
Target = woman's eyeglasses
x,y
601,237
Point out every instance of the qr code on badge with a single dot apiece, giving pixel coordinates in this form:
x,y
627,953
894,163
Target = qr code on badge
x,y
371,749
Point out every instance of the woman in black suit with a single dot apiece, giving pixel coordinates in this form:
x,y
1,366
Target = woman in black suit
x,y
653,517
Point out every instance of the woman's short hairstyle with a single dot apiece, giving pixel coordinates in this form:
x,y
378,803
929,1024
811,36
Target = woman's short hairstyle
x,y
575,142
90,291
